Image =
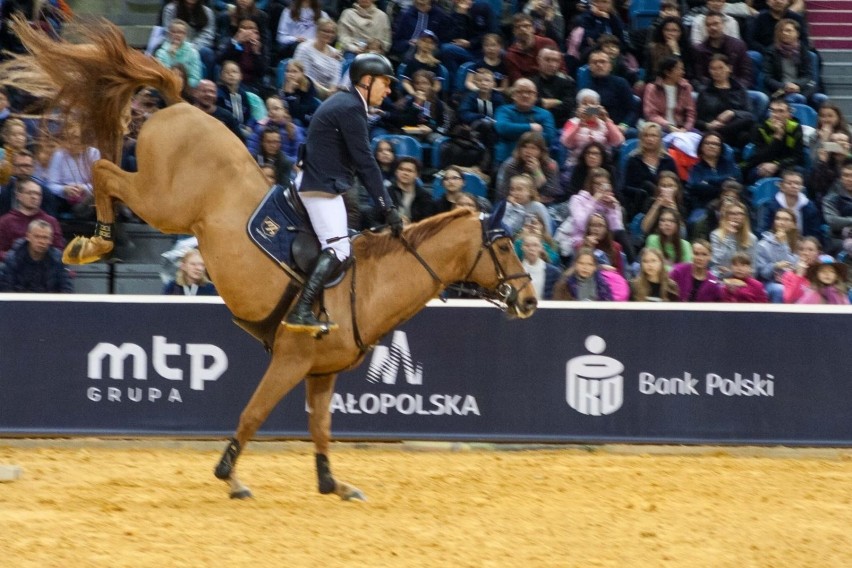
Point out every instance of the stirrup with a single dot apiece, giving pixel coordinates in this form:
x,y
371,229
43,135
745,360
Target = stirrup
x,y
317,330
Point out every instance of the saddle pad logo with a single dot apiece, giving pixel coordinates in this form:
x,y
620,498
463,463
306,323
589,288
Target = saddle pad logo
x,y
270,227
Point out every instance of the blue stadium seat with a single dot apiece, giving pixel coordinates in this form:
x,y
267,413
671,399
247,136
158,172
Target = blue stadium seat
x,y
472,184
402,145
624,152
461,75
804,114
584,77
759,103
762,191
496,7
280,72
436,151
643,13
756,69
814,65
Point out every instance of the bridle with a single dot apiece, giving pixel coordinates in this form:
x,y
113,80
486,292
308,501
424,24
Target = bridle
x,y
504,294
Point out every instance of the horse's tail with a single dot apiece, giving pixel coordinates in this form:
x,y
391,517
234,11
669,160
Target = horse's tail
x,y
92,82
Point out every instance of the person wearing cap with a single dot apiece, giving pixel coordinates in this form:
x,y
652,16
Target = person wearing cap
x,y
422,15
423,58
827,285
336,150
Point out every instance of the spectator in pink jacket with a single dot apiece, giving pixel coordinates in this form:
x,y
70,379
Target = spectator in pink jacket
x,y
591,123
596,197
740,287
795,281
673,114
827,284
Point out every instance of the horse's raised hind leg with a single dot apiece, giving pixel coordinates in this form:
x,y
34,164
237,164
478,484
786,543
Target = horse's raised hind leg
x,y
83,250
319,390
278,380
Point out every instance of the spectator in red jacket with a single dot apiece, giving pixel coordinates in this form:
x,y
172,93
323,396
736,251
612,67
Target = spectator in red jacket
x,y
522,56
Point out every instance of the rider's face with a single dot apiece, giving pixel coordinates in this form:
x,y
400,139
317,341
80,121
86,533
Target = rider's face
x,y
379,90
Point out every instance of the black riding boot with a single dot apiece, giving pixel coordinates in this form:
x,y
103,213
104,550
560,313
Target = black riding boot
x,y
302,318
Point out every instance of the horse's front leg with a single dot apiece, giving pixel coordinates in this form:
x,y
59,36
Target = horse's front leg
x,y
278,380
319,391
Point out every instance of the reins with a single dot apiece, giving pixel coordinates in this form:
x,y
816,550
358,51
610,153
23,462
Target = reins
x,y
504,294
422,261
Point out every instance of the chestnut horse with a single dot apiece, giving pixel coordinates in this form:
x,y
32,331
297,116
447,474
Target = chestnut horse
x,y
194,176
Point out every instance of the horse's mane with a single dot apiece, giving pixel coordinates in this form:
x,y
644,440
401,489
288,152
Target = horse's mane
x,y
92,82
374,245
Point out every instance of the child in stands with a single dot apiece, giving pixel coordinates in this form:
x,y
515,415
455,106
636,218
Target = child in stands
x,y
740,286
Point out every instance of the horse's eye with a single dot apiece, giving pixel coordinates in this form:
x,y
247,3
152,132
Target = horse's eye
x,y
504,247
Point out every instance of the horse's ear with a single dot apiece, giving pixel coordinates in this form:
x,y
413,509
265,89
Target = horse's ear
x,y
495,221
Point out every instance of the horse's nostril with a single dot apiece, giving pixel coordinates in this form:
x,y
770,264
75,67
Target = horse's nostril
x,y
530,304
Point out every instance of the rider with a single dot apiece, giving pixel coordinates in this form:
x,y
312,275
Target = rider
x,y
336,149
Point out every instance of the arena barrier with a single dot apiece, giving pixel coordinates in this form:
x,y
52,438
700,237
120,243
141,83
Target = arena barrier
x,y
575,372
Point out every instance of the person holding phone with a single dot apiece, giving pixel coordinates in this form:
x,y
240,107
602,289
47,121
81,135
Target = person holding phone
x,y
667,194
596,197
591,123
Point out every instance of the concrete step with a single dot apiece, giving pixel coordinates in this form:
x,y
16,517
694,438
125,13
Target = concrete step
x,y
145,245
836,55
91,278
844,101
137,35
122,12
138,279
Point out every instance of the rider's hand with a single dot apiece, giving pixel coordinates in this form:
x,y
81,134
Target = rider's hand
x,y
393,220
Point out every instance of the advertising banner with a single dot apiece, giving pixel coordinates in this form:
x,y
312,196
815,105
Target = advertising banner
x,y
457,371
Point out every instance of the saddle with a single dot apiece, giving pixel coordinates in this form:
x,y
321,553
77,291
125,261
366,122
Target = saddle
x,y
281,228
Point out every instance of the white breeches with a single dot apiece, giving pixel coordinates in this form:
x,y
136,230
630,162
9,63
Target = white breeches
x,y
328,217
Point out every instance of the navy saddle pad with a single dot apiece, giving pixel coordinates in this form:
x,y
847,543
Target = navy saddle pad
x,y
280,227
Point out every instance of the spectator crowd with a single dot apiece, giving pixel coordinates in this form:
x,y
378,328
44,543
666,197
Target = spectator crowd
x,y
691,156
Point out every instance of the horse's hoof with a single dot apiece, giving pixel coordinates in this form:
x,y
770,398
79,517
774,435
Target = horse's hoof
x,y
354,495
241,494
85,250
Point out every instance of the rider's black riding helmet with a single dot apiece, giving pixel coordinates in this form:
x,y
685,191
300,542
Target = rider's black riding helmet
x,y
370,64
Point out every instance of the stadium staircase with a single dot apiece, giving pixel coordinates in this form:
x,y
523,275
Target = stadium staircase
x,y
136,17
830,23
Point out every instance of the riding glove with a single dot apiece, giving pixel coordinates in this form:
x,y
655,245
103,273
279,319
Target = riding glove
x,y
393,220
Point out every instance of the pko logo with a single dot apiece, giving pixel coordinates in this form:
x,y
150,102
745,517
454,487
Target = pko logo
x,y
594,384
206,363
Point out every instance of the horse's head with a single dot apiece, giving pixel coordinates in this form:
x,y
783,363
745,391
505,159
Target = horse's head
x,y
499,270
